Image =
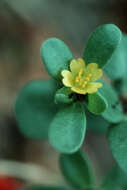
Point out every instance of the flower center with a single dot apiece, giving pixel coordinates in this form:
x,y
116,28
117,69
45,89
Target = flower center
x,y
82,81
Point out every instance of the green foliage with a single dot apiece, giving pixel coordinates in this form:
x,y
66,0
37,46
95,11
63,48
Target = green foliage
x,y
101,44
96,123
124,77
118,143
116,179
45,109
35,108
63,95
114,111
68,128
55,56
123,87
41,187
77,170
96,103
116,67
118,64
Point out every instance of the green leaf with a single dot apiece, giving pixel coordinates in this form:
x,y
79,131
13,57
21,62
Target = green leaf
x,y
117,63
35,109
114,111
42,187
55,56
96,124
124,79
118,144
116,179
101,44
124,86
77,170
118,86
63,96
96,103
68,128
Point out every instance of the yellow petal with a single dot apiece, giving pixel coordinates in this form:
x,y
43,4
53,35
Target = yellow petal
x,y
77,65
92,66
92,69
93,87
67,78
81,62
78,90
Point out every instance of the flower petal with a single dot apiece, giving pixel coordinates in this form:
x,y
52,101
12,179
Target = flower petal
x,y
93,87
68,79
92,69
77,65
78,90
81,62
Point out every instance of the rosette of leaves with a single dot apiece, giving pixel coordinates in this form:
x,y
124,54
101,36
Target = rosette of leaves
x,y
64,121
118,64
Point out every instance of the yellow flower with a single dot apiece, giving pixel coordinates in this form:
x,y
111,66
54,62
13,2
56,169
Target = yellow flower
x,y
81,77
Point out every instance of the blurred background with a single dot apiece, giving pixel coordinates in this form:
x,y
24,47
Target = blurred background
x,y
24,25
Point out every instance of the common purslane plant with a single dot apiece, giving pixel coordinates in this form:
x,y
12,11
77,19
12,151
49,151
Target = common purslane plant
x,y
77,98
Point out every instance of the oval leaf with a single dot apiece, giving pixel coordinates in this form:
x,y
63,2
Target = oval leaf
x,y
124,79
68,128
96,103
55,56
114,111
35,109
101,44
118,143
117,63
77,170
63,96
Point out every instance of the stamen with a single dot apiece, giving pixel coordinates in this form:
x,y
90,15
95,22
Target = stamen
x,y
77,79
88,77
80,73
80,82
84,84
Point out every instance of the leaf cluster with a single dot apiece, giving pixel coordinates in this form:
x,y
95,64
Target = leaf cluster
x,y
47,109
